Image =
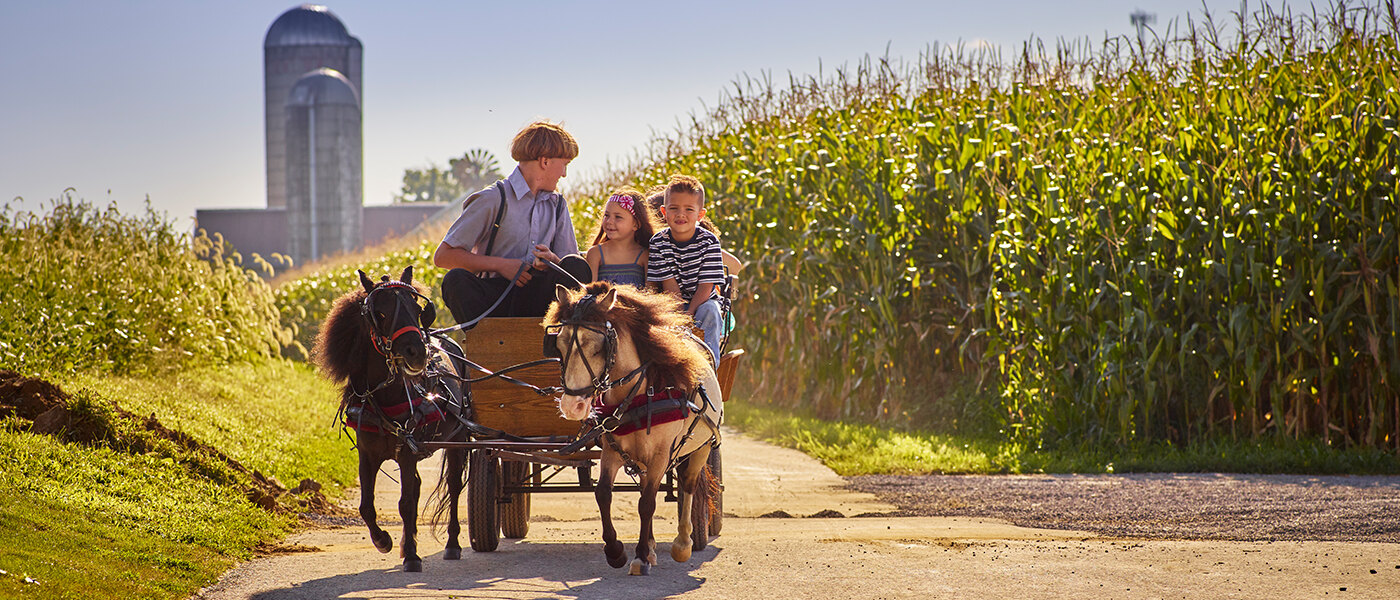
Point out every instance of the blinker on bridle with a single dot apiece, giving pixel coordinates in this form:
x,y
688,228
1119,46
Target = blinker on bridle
x,y
384,344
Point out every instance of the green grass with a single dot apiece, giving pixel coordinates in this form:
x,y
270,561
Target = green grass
x,y
136,515
76,554
275,416
865,449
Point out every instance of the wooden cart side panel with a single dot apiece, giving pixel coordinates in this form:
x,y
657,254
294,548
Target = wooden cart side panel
x,y
500,342
727,367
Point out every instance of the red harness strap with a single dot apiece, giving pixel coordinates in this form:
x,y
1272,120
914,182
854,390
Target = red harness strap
x,y
426,412
636,417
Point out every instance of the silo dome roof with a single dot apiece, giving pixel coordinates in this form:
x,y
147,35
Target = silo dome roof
x,y
308,25
321,87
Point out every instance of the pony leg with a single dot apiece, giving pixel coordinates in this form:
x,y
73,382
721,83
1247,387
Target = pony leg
x,y
369,469
607,472
408,510
691,470
455,463
646,509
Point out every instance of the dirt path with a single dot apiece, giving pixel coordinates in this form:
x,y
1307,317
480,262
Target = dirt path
x,y
828,557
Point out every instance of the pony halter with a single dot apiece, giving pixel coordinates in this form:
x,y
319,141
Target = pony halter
x,y
600,381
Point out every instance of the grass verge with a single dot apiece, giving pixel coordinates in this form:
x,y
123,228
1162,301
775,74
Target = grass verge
x,y
864,449
132,514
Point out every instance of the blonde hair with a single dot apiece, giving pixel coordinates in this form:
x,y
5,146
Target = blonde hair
x,y
543,139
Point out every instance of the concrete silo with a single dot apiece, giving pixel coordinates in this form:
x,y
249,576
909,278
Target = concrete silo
x,y
303,39
324,159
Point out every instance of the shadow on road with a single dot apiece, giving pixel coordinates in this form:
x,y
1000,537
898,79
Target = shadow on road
x,y
520,569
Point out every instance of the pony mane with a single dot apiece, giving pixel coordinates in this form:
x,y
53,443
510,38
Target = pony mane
x,y
342,345
652,322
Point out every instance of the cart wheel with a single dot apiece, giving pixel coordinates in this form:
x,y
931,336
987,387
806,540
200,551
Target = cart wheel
x,y
483,488
716,469
515,515
700,512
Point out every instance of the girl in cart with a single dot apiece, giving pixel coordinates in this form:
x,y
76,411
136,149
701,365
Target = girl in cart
x,y
619,252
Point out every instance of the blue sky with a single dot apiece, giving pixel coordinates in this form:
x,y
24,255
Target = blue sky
x,y
129,100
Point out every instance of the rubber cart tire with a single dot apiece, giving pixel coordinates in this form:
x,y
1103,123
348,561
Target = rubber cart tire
x,y
483,490
515,514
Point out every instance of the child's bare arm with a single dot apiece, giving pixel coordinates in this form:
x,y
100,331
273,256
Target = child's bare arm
x,y
702,293
594,257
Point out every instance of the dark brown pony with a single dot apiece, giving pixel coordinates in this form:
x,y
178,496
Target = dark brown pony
x,y
372,342
603,333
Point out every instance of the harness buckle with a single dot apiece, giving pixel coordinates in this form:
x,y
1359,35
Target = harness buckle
x,y
609,423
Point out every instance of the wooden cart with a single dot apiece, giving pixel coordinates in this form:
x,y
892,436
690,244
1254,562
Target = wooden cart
x,y
504,469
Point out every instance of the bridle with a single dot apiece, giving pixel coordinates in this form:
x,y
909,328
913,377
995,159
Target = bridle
x,y
600,382
384,344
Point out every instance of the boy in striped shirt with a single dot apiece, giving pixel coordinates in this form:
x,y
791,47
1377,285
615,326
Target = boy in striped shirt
x,y
685,260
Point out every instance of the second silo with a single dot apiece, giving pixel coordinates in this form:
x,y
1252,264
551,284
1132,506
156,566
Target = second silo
x,y
324,158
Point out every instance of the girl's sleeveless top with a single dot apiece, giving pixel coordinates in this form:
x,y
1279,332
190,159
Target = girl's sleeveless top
x,y
629,273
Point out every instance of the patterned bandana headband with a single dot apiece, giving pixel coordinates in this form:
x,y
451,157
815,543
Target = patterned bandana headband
x,y
621,200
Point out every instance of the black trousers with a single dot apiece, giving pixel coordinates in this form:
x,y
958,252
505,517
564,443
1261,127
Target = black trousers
x,y
467,294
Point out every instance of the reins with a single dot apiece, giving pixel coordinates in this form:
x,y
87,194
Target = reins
x,y
502,298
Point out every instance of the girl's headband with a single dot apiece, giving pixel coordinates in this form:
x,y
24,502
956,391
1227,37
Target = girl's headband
x,y
622,200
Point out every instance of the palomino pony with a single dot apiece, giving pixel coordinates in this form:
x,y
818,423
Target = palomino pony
x,y
395,397
601,335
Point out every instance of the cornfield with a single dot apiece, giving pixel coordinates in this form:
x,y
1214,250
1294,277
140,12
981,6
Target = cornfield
x,y
305,301
1124,242
87,289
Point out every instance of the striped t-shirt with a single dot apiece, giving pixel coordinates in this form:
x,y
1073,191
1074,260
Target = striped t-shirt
x,y
689,263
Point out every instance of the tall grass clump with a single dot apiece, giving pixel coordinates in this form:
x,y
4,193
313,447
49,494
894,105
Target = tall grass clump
x,y
1116,243
93,290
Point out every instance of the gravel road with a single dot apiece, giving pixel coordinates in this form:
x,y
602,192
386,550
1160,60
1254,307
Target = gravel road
x,y
1193,506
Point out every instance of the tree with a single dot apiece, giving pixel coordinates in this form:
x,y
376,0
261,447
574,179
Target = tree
x,y
475,170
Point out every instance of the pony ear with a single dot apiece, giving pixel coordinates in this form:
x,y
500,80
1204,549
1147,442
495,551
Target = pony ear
x,y
606,303
364,281
407,276
561,294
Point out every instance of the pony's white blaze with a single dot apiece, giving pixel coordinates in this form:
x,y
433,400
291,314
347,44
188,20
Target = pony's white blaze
x,y
575,408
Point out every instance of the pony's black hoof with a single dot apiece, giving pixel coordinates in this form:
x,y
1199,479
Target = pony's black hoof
x,y
413,565
616,558
382,542
452,554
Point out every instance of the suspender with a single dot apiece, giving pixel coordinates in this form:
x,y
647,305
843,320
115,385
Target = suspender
x,y
500,212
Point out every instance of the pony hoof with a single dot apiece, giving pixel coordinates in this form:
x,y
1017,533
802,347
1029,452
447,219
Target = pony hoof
x,y
413,565
382,542
680,551
616,557
639,567
452,554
